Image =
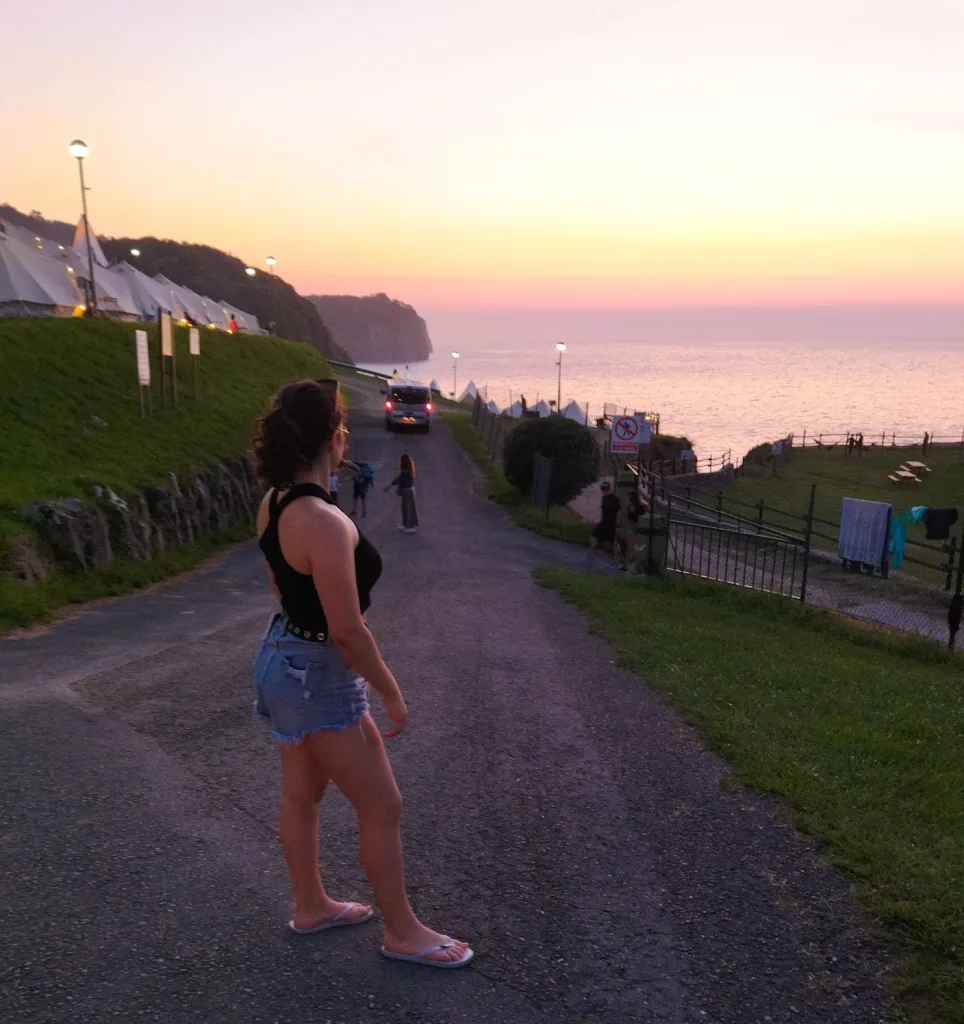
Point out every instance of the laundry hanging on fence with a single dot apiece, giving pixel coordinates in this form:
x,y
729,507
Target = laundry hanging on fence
x,y
864,531
939,521
898,532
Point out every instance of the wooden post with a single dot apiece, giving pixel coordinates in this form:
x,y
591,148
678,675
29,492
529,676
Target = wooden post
x,y
160,349
194,361
173,364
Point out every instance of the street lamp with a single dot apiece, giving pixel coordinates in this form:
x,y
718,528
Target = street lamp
x,y
135,252
79,149
455,374
271,261
560,348
249,271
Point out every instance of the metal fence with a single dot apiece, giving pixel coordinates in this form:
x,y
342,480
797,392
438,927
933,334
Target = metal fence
x,y
714,533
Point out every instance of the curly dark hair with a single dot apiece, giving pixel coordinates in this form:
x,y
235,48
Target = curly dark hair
x,y
302,419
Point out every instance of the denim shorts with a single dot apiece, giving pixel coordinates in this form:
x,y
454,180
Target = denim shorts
x,y
303,687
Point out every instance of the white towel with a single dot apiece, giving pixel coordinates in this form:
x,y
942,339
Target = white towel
x,y
864,530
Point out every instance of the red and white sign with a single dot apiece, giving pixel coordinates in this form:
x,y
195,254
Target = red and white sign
x,y
628,433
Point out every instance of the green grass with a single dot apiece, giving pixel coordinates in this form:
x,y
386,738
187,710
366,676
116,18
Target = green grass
x,y
55,375
840,476
562,524
859,731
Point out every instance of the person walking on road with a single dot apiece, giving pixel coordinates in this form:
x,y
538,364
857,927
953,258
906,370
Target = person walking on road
x,y
404,485
312,672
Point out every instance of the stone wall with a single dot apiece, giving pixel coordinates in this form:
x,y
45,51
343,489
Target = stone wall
x,y
91,534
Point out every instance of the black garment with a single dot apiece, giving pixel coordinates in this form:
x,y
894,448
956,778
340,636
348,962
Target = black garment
x,y
299,598
403,480
939,521
605,531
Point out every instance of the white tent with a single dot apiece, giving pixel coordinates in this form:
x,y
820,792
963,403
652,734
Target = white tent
x,y
471,392
434,387
575,411
31,283
494,409
215,313
189,304
151,297
543,408
247,322
515,410
80,244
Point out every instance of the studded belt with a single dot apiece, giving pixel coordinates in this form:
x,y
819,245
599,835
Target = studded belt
x,y
305,634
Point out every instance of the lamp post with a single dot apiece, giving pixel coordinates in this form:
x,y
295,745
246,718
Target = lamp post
x,y
455,375
78,148
271,261
560,348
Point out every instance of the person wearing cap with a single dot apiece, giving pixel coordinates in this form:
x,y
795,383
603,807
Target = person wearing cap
x,y
605,530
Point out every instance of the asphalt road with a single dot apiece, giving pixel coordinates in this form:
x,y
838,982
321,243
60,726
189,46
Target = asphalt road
x,y
558,816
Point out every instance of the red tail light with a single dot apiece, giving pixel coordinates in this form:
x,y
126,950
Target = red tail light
x,y
428,406
388,405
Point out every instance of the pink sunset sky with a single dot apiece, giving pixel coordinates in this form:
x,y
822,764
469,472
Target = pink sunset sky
x,y
512,153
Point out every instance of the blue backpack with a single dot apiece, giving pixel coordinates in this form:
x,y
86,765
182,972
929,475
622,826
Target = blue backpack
x,y
368,474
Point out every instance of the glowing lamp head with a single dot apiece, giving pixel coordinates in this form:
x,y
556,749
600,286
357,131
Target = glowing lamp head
x,y
78,149
455,355
271,261
249,271
560,346
135,252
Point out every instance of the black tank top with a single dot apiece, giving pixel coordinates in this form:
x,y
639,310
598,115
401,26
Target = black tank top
x,y
299,598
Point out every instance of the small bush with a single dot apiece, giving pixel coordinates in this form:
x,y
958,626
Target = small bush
x,y
570,445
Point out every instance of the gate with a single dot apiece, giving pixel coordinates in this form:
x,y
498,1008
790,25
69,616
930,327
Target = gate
x,y
715,545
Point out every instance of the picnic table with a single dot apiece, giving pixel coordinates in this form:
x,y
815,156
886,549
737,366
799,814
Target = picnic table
x,y
917,467
905,476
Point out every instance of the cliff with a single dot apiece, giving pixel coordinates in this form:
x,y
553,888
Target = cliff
x,y
375,328
210,272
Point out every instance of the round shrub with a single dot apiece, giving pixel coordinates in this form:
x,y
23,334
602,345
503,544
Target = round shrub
x,y
572,448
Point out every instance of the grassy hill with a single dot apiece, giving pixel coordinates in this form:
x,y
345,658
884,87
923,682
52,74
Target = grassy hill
x,y
56,376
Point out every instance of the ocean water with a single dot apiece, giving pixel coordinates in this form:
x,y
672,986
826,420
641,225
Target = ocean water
x,y
726,379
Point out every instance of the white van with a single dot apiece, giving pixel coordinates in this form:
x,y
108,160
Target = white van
x,y
408,403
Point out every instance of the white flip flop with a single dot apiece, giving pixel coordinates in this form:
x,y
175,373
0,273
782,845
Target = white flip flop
x,y
423,957
341,920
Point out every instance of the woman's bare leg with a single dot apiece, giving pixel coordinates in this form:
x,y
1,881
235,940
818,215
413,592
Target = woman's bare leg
x,y
355,760
302,790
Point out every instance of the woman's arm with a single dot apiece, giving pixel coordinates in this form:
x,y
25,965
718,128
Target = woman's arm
x,y
331,555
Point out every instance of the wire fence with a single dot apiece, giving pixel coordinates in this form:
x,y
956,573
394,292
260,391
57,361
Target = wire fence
x,y
868,441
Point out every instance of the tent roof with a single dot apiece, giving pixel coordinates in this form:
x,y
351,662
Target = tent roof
x,y
190,302
28,276
80,244
150,295
471,391
248,322
575,411
543,408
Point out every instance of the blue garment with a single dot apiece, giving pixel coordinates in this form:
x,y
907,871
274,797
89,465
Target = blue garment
x,y
898,532
302,686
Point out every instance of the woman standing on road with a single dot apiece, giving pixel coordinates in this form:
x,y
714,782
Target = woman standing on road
x,y
312,672
404,485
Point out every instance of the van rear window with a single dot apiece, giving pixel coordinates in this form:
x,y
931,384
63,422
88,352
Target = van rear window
x,y
410,396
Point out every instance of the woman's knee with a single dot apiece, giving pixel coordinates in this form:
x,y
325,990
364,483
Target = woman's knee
x,y
384,808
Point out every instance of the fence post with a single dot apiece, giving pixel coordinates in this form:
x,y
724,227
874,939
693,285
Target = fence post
x,y
759,518
957,601
804,445
719,506
951,553
808,539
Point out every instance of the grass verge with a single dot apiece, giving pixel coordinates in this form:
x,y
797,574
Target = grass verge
x,y
562,523
859,731
70,419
